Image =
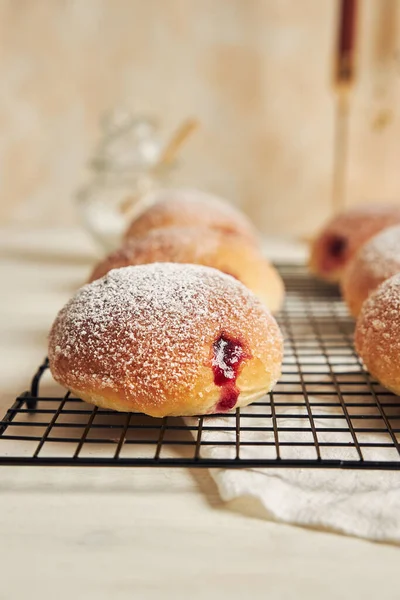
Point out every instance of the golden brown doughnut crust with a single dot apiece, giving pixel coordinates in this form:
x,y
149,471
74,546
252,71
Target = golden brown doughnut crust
x,y
341,238
230,253
377,335
189,208
376,261
151,338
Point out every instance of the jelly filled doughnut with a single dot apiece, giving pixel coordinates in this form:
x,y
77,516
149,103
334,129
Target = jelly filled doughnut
x,y
376,261
345,234
188,208
377,335
230,253
166,339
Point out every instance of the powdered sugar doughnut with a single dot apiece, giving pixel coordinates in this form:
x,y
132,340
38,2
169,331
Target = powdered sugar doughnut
x,y
377,335
188,208
376,261
341,238
166,339
230,253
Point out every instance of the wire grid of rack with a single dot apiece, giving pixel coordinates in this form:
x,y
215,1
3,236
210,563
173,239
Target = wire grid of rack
x,y
325,412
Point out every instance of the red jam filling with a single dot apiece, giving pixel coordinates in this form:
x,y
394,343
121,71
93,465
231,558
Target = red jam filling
x,y
335,252
337,246
228,356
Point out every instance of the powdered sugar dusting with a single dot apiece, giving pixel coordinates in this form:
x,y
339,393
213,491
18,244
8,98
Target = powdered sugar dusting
x,y
196,245
190,207
381,255
151,327
377,335
382,309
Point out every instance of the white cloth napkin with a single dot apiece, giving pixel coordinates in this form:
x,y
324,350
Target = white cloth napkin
x,y
362,503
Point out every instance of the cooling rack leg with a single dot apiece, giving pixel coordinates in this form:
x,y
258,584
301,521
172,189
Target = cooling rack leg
x,y
34,392
30,402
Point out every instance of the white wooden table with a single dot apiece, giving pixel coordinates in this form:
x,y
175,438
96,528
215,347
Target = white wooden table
x,y
141,533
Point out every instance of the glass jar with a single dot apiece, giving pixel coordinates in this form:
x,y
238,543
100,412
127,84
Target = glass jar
x,y
125,166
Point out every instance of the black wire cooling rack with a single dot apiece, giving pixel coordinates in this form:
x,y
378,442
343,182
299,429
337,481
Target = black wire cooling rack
x,y
325,411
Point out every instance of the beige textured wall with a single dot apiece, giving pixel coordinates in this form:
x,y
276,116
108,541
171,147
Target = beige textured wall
x,y
255,72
